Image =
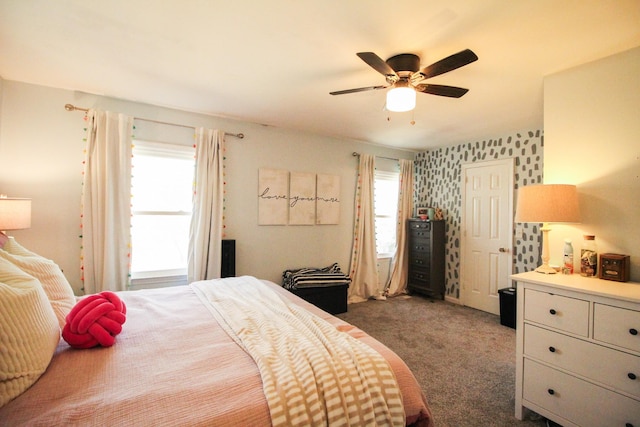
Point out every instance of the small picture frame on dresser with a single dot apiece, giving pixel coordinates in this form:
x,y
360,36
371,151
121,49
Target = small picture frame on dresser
x,y
422,212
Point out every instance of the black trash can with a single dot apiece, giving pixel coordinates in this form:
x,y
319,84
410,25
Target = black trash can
x,y
508,307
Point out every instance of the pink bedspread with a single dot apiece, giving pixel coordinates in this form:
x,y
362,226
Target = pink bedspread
x,y
171,365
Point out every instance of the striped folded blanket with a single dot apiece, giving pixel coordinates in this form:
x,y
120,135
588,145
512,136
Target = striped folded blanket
x,y
312,373
314,277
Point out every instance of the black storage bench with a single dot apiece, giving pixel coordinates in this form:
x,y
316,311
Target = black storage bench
x,y
325,288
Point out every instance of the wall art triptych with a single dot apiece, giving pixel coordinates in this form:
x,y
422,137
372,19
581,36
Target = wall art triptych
x,y
297,198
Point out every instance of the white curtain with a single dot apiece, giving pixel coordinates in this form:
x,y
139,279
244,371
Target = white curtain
x,y
205,239
106,202
364,257
397,283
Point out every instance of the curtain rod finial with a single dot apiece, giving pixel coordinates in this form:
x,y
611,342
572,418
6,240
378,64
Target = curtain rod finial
x,y
69,107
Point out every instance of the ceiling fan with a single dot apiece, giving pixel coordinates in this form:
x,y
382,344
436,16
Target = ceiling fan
x,y
405,78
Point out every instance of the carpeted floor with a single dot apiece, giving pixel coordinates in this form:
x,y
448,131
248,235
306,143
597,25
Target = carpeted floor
x,y
464,359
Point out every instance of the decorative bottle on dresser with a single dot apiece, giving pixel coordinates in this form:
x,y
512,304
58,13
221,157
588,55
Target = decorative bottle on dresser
x,y
567,267
589,257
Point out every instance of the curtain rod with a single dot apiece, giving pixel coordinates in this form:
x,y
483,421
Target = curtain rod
x,y
355,154
71,107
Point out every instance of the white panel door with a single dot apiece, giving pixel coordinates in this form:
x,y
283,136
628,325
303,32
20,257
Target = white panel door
x,y
487,222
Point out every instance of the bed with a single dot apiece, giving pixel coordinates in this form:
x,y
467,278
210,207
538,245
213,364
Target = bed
x,y
175,364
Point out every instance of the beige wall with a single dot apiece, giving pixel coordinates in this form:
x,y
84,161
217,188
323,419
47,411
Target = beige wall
x,y
41,156
592,139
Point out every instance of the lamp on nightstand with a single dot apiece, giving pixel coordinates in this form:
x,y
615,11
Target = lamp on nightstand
x,y
544,204
15,214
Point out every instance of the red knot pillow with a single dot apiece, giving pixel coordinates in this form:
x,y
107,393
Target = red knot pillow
x,y
95,320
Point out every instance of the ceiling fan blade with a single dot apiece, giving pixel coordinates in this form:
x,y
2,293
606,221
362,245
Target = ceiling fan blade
x,y
360,89
378,64
449,63
442,90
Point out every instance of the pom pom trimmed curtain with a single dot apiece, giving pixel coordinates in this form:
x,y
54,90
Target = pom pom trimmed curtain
x,y
364,257
205,239
106,202
397,283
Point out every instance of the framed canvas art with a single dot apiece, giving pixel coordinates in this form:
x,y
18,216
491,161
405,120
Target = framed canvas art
x,y
328,199
302,198
273,197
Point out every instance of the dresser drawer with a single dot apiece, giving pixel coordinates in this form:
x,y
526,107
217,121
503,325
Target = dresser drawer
x,y
419,260
572,398
420,247
420,226
564,313
419,276
421,233
613,368
617,326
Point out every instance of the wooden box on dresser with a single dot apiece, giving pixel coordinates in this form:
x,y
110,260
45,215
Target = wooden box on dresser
x,y
426,257
578,349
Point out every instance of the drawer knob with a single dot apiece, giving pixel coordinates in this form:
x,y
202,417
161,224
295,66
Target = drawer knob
x,y
551,391
552,349
633,331
632,376
552,312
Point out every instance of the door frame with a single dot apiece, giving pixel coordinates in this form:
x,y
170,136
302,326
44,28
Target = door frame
x,y
510,163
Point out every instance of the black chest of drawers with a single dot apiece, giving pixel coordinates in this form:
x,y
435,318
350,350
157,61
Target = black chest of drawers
x,y
426,257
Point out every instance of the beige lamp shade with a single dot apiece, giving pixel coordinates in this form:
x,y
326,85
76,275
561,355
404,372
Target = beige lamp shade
x,y
15,214
548,203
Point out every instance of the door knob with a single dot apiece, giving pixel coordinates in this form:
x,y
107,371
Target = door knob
x,y
504,249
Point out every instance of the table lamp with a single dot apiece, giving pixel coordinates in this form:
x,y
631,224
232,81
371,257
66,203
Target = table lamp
x,y
15,214
544,204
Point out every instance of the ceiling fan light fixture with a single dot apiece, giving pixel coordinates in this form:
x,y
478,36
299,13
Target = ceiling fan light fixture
x,y
400,99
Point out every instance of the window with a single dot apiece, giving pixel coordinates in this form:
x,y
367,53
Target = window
x,y
386,185
162,188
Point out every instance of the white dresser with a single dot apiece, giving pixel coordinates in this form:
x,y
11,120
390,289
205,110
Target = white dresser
x,y
578,349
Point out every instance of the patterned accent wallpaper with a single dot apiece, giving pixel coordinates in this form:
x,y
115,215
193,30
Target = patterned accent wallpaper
x,y
437,181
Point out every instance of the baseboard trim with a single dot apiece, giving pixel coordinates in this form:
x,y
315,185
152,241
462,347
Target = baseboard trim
x,y
452,300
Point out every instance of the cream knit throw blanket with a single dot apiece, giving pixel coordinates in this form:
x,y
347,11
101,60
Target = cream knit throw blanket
x,y
312,374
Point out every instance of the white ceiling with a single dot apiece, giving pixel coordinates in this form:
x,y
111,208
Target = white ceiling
x,y
274,62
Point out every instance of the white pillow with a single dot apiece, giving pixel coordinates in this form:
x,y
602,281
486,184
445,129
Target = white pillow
x,y
16,248
29,331
53,281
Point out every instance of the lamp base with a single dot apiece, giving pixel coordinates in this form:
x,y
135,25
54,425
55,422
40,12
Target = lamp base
x,y
545,269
